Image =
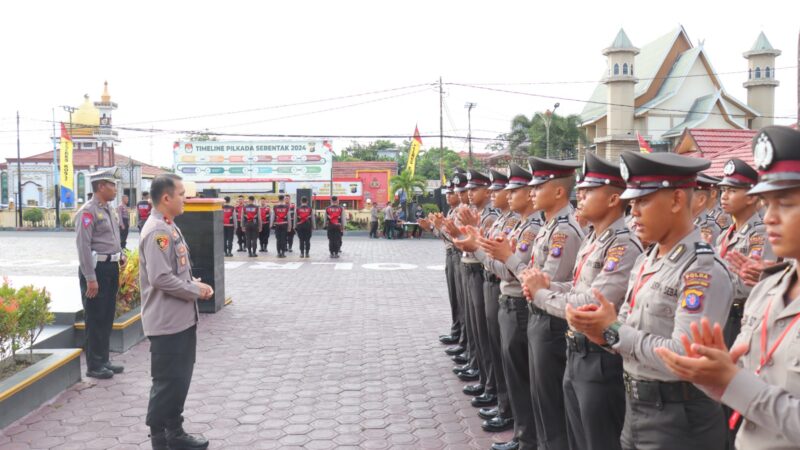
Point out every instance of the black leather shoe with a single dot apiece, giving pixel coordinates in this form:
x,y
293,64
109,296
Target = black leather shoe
x,y
510,445
114,367
469,375
101,373
158,440
488,413
449,339
453,351
484,400
177,439
473,389
498,424
458,369
460,359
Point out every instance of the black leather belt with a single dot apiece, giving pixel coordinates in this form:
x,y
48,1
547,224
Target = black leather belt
x,y
660,392
578,342
473,267
737,309
512,302
451,250
489,276
535,310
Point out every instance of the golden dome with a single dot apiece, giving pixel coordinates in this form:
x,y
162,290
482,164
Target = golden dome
x,y
85,118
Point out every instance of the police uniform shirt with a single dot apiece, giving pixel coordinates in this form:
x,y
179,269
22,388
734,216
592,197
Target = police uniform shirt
x,y
169,296
665,295
770,401
448,241
751,241
503,226
124,215
342,216
488,217
604,263
97,230
556,247
709,228
521,237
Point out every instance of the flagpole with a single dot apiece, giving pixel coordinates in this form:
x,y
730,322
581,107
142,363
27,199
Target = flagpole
x,y
56,190
441,133
19,178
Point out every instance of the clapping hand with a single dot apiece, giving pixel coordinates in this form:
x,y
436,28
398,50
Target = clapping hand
x,y
593,321
470,242
748,269
499,248
532,281
468,216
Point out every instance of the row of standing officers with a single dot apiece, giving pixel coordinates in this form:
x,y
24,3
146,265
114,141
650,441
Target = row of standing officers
x,y
593,329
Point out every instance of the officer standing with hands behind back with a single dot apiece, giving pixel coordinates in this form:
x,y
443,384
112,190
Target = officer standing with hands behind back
x,y
100,256
169,315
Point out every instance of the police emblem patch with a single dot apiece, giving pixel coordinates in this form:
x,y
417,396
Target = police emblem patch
x,y
692,300
162,240
729,169
763,153
86,219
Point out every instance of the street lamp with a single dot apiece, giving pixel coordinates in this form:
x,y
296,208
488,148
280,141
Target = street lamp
x,y
547,117
469,107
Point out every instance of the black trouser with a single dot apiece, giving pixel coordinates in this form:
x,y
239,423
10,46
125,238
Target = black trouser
x,y
263,237
547,357
513,320
228,234
491,294
280,236
304,234
373,229
240,237
479,330
594,396
99,313
171,365
334,238
695,424
450,271
388,228
123,233
290,239
458,275
732,328
251,237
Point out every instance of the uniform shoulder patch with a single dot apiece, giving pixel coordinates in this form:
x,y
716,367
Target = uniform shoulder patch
x,y
162,241
692,299
86,219
613,257
525,240
557,241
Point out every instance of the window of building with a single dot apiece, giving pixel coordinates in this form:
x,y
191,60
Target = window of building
x,y
750,74
767,72
758,73
616,69
88,145
625,69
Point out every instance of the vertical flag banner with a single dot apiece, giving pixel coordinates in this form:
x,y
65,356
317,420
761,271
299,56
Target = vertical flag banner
x,y
644,147
66,173
416,143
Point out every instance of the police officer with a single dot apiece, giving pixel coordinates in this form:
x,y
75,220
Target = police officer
x,y
251,221
124,221
239,223
763,387
747,234
264,214
335,221
169,315
229,223
676,282
143,209
280,221
290,234
502,255
703,202
304,224
554,252
594,395
99,256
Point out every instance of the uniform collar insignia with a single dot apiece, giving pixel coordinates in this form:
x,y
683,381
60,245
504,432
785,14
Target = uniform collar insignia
x,y
606,235
676,253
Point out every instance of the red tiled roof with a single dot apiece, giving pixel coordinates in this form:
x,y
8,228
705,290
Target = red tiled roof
x,y
742,151
715,140
83,159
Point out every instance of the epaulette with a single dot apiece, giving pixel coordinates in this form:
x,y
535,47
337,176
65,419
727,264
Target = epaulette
x,y
702,248
563,219
772,270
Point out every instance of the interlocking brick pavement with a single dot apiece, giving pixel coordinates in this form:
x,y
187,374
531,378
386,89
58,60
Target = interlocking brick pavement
x,y
316,357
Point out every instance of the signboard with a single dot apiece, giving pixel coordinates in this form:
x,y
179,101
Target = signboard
x,y
252,162
376,185
344,188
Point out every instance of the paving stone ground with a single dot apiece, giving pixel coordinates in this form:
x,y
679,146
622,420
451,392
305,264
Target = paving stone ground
x,y
315,357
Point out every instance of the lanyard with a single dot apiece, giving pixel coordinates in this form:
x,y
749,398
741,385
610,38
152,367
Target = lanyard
x,y
583,262
766,356
723,248
639,283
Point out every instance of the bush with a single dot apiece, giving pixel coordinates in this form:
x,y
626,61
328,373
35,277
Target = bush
x,y
128,296
23,315
430,208
66,219
33,215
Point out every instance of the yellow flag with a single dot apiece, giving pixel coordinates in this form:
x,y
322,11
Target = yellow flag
x,y
416,143
65,161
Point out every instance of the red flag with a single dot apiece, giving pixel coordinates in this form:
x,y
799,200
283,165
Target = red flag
x,y
416,134
64,134
644,147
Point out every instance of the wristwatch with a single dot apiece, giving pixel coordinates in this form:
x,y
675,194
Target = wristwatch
x,y
611,334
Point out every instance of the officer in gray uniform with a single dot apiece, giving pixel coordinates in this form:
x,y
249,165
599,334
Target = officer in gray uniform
x,y
502,258
169,315
451,266
594,394
554,252
99,256
679,280
747,234
703,201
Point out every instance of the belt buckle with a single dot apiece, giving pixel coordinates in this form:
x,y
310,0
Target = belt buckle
x,y
634,391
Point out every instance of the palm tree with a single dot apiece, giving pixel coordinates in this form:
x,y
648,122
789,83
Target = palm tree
x,y
407,183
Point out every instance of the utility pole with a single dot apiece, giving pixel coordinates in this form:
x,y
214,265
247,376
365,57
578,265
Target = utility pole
x,y
469,107
441,132
56,190
798,80
19,178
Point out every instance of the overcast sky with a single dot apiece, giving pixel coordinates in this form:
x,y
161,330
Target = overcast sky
x,y
167,60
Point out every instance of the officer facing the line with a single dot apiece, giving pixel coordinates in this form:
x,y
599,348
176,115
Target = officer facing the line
x,y
100,256
335,221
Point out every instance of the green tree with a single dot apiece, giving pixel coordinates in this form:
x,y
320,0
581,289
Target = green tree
x,y
528,136
369,152
428,162
404,181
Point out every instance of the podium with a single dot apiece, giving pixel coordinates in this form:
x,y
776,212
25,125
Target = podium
x,y
201,225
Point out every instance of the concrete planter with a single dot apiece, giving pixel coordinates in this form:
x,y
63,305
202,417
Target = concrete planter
x,y
126,332
30,388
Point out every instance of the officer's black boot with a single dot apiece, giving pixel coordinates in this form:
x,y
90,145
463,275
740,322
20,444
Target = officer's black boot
x,y
177,439
158,440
